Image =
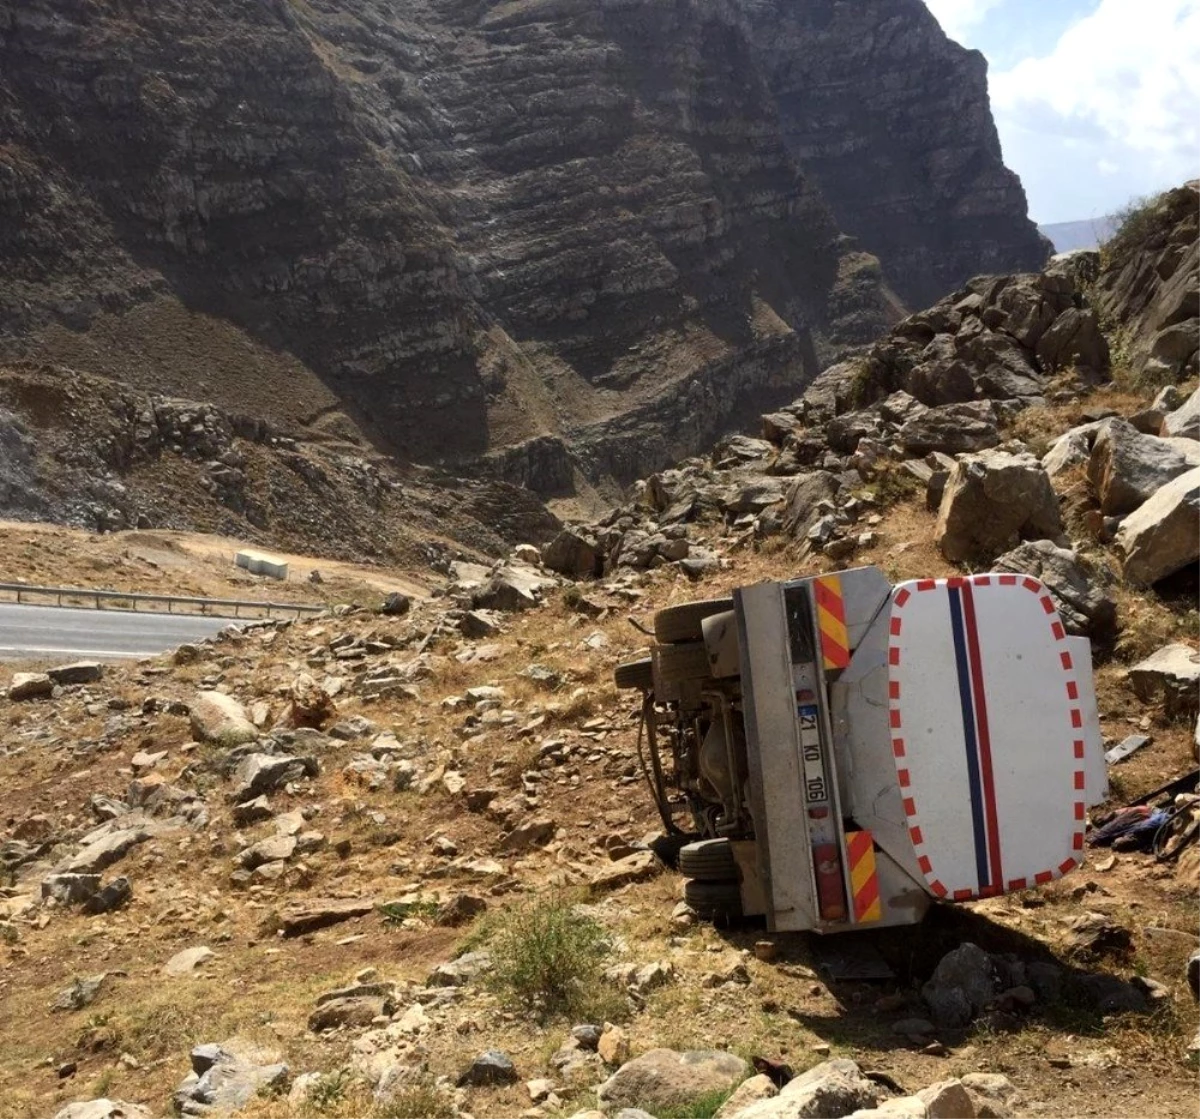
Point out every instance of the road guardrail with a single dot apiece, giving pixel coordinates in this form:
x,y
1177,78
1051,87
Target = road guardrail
x,y
211,606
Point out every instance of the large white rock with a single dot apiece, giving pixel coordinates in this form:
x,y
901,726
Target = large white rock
x,y
188,961
30,685
1127,467
664,1077
835,1087
1170,675
219,718
992,501
1162,535
1185,420
103,1109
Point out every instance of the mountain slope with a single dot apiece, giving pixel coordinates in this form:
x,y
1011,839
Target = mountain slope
x,y
450,227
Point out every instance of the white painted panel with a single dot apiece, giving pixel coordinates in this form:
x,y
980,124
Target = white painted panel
x,y
1096,767
982,708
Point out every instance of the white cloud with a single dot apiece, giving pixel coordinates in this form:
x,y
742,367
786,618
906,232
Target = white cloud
x,y
1119,93
958,17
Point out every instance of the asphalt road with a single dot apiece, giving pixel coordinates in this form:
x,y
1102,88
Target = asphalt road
x,y
33,632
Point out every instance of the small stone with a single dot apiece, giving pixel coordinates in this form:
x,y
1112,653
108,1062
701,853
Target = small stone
x,y
112,896
490,1068
81,993
188,961
396,605
360,1010
613,1045
587,1035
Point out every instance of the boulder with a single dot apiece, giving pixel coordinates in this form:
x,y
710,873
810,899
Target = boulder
x,y
80,993
81,672
512,587
803,498
529,833
461,971
309,705
1082,599
947,1100
396,605
992,501
1184,422
490,1068
30,685
257,774
573,554
112,896
952,428
276,848
1072,448
777,426
70,888
1173,350
663,1078
226,1077
830,1089
1030,303
217,717
351,1012
310,916
752,1091
1170,676
103,1109
1162,535
962,984
1127,467
1074,340
106,848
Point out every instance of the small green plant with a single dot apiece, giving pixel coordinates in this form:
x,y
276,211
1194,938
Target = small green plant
x,y
548,959
704,1106
329,1090
395,912
422,1099
103,1082
861,390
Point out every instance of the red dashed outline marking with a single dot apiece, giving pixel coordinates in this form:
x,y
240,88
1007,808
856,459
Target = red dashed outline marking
x,y
899,600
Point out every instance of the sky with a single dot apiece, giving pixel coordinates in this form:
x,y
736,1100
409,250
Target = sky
x,y
1097,101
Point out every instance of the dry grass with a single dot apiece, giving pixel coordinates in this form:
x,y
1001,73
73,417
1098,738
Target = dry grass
x,y
265,987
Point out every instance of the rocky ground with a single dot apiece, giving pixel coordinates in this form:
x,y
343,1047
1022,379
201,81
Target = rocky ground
x,y
318,867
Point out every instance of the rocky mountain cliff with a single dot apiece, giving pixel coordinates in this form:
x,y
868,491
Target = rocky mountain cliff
x,y
448,228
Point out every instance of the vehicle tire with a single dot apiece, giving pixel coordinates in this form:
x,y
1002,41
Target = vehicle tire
x,y
635,674
709,860
679,663
667,848
714,901
682,622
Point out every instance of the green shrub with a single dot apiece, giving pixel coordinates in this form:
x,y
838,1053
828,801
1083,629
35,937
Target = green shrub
x,y
548,959
1133,223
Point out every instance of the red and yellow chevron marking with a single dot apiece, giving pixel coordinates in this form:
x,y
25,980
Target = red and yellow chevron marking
x,y
831,621
864,882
